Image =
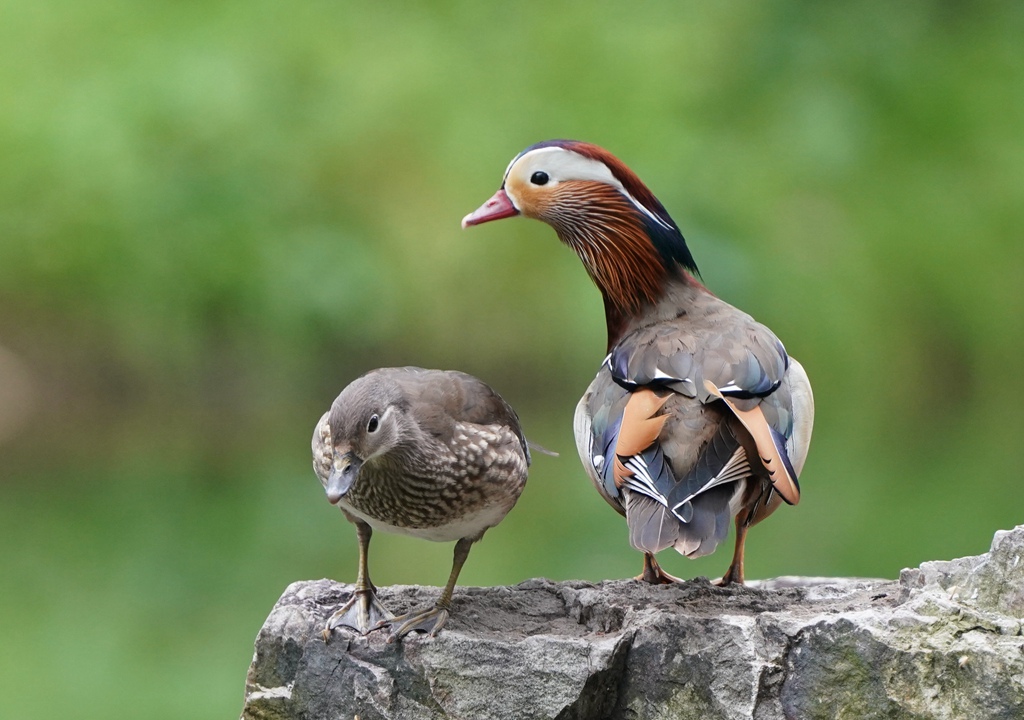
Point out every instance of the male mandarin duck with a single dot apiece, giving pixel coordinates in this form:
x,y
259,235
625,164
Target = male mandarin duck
x,y
434,454
697,414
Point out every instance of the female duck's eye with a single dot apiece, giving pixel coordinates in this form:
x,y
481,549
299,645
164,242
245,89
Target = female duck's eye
x,y
539,178
373,424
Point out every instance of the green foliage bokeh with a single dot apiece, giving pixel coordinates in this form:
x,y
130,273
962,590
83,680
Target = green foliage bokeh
x,y
214,215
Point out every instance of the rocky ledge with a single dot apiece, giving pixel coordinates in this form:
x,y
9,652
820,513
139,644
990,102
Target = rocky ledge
x,y
944,641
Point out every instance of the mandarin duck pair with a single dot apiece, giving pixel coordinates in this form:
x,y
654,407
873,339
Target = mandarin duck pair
x,y
697,417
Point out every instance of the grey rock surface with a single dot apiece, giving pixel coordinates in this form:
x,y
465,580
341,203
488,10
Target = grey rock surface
x,y
944,641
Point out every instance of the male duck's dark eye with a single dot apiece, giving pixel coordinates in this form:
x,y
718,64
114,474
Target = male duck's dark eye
x,y
373,424
539,178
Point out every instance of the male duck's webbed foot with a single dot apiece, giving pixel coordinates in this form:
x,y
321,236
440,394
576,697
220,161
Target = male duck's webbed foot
x,y
653,573
734,575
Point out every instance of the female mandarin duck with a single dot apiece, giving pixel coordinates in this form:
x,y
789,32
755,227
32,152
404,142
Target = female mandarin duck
x,y
433,454
697,414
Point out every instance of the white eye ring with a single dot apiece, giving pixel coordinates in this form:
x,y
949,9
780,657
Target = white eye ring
x,y
373,424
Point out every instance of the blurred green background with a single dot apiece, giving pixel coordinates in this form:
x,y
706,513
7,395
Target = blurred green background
x,y
214,215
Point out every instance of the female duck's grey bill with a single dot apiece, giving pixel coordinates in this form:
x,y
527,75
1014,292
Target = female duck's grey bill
x,y
498,207
343,474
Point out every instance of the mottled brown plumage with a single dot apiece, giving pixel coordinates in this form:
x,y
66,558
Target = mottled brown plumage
x,y
697,415
433,454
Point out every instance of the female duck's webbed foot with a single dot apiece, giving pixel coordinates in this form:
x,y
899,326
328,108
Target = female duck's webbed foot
x,y
429,621
433,619
363,612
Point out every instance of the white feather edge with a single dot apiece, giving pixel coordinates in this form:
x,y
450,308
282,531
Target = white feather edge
x,y
737,468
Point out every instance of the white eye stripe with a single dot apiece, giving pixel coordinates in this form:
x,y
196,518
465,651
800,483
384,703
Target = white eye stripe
x,y
380,419
562,165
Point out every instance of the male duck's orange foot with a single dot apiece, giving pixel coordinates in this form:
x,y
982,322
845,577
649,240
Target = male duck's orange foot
x,y
654,575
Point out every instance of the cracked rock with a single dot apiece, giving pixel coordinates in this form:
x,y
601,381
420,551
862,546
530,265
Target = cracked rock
x,y
945,641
